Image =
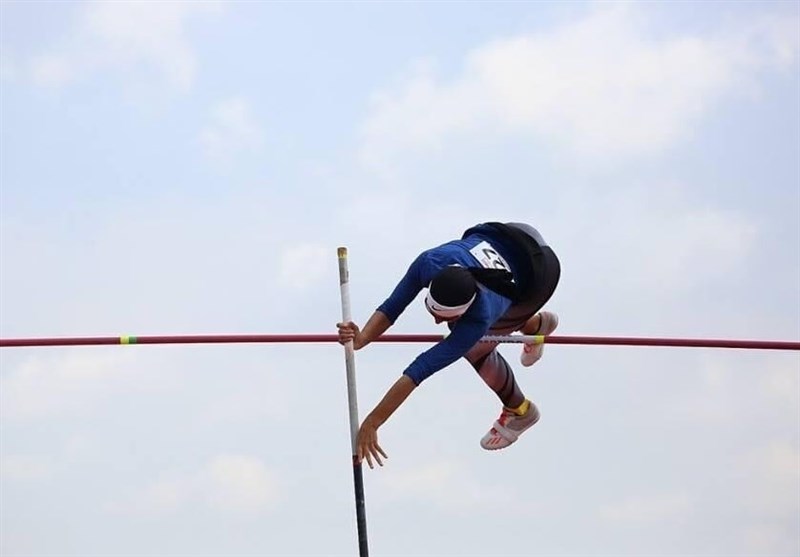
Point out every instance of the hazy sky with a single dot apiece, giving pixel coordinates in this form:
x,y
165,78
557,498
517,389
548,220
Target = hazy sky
x,y
177,168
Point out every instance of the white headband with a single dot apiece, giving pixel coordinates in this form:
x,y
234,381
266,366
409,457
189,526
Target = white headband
x,y
446,311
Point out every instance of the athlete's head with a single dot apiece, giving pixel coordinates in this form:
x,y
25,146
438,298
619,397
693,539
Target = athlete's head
x,y
450,293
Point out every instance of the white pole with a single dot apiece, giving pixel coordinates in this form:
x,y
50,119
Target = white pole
x,y
352,400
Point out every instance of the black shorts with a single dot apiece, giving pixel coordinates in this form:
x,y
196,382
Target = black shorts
x,y
544,279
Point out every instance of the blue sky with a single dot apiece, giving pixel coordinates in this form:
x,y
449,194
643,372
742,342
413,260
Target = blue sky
x,y
172,168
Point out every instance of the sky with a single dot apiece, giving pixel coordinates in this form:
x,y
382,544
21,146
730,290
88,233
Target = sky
x,y
191,168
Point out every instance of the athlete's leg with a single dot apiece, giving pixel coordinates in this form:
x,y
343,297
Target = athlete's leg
x,y
496,373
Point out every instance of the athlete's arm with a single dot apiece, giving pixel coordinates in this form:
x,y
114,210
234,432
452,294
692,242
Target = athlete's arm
x,y
367,441
387,313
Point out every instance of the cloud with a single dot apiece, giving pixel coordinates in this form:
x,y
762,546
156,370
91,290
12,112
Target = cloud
x,y
123,36
600,87
678,244
714,241
781,383
716,396
53,70
448,485
57,384
270,402
25,467
239,483
227,483
233,130
771,498
45,386
303,265
774,470
769,539
648,510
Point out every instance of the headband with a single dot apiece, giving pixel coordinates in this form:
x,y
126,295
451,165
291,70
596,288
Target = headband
x,y
443,311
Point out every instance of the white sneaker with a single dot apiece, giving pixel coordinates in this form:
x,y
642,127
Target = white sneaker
x,y
509,427
532,352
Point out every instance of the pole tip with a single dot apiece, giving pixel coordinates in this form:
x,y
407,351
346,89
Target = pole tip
x,y
342,252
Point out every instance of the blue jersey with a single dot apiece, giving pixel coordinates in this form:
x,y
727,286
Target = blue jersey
x,y
480,248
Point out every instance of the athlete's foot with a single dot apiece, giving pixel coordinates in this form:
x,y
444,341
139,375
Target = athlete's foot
x,y
508,427
531,352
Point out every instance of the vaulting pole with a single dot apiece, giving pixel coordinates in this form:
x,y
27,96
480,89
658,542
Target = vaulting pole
x,y
352,400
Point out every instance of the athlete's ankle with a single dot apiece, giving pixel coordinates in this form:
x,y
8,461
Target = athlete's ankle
x,y
532,325
522,409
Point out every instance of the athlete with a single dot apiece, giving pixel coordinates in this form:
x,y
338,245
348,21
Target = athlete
x,y
494,280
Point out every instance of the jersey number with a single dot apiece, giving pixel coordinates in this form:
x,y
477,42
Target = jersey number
x,y
488,257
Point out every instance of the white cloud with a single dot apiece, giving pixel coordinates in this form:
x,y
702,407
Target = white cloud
x,y
121,36
769,539
709,239
774,473
713,399
53,70
712,242
648,510
770,496
25,467
228,483
74,382
303,265
163,496
239,483
716,396
667,243
447,484
781,382
270,402
233,129
602,87
28,467
69,383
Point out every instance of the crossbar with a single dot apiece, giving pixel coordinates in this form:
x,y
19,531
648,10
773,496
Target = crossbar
x,y
401,338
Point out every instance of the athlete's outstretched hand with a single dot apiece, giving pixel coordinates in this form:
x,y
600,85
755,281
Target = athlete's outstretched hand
x,y
367,444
